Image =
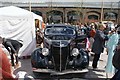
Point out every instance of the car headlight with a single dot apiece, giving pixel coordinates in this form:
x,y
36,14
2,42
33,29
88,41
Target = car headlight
x,y
45,51
75,52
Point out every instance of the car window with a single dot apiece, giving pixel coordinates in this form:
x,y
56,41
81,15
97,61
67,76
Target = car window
x,y
59,31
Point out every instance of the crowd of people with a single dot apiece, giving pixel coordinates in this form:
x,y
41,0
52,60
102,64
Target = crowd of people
x,y
102,36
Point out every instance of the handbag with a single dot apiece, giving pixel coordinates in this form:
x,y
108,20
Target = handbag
x,y
116,57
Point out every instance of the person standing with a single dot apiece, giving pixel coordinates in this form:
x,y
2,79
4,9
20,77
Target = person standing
x,y
14,46
92,35
111,45
116,58
5,66
98,45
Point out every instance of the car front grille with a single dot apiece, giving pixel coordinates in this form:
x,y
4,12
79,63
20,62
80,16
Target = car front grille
x,y
60,57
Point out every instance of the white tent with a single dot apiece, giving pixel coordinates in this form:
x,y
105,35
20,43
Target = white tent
x,y
18,24
37,17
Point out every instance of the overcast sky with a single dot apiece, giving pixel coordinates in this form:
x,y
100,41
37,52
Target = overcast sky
x,y
59,0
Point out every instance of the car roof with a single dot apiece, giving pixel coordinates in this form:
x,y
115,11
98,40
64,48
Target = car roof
x,y
60,25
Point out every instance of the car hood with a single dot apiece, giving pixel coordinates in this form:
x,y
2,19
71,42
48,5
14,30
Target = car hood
x,y
60,43
57,43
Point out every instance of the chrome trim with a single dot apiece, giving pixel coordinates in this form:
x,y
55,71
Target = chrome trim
x,y
53,72
60,57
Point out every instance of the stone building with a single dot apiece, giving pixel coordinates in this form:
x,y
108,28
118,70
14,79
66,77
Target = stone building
x,y
64,11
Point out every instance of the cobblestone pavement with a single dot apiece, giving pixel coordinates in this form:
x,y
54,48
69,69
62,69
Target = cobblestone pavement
x,y
98,74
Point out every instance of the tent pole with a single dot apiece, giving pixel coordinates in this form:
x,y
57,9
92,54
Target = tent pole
x,y
30,6
102,11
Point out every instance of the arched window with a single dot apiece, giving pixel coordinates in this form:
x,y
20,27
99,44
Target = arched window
x,y
54,17
73,16
110,16
93,17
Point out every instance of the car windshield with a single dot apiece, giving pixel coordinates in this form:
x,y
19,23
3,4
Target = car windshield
x,y
59,31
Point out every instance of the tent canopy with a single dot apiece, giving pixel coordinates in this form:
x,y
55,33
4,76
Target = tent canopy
x,y
37,17
16,11
19,24
13,11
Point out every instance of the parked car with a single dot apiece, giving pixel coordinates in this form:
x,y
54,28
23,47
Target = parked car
x,y
63,53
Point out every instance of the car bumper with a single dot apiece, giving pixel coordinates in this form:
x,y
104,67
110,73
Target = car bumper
x,y
53,72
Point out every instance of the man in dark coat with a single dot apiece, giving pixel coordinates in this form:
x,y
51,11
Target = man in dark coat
x,y
98,45
13,47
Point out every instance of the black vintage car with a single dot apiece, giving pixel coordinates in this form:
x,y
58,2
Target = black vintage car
x,y
63,53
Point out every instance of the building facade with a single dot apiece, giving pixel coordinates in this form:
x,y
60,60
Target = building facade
x,y
72,15
71,12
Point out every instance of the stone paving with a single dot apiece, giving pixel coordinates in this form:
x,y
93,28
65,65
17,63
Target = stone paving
x,y
98,74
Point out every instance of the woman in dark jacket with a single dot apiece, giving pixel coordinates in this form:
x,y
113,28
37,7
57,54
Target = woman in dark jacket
x,y
98,45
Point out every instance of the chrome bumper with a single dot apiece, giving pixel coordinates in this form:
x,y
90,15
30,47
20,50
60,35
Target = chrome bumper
x,y
53,72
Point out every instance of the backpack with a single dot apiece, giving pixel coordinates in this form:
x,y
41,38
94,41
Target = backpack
x,y
116,57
